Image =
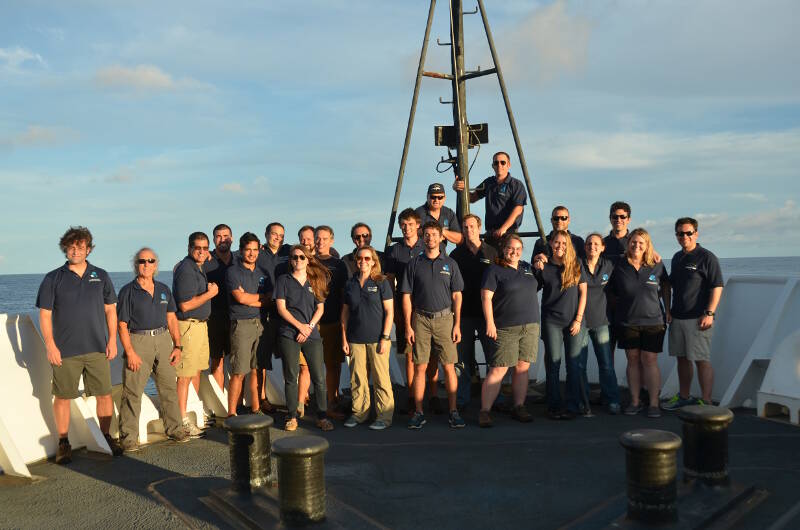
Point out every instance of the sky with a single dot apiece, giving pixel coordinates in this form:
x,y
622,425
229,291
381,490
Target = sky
x,y
146,121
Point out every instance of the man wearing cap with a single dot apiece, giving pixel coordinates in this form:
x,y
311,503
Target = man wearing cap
x,y
435,210
560,221
78,320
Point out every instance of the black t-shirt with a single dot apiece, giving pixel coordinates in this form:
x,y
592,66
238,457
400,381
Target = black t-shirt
x,y
615,248
188,281
447,220
78,306
432,282
693,276
472,267
300,302
140,310
215,270
398,256
514,301
577,242
333,303
253,282
596,313
365,323
637,294
559,308
501,199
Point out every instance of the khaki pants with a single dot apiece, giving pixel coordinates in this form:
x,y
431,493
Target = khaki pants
x,y
155,352
362,355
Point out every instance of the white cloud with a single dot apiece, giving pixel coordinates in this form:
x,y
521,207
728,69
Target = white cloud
x,y
232,187
11,59
757,197
118,178
39,135
142,77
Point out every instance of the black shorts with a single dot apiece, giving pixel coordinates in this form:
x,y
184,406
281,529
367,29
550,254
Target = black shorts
x,y
647,338
219,337
268,345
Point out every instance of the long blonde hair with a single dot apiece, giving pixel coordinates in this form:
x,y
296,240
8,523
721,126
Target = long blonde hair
x,y
648,259
375,274
318,274
571,275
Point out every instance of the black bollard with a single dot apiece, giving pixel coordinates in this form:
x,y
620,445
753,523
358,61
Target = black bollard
x,y
705,455
249,444
651,472
301,478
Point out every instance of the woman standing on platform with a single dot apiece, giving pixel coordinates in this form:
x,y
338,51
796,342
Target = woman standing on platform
x,y
508,297
639,283
563,302
299,298
148,330
598,272
367,316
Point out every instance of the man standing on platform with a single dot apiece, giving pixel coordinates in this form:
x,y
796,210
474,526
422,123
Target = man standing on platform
x,y
78,320
696,280
219,324
616,242
560,221
435,210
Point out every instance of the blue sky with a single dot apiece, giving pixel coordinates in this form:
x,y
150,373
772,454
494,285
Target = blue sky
x,y
146,121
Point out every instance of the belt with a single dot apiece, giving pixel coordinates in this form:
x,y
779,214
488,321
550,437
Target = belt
x,y
435,314
150,332
195,320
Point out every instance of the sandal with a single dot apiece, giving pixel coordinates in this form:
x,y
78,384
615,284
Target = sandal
x,y
325,424
290,425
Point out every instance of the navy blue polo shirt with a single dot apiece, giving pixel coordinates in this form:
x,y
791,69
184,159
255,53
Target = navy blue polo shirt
x,y
267,260
514,301
615,248
333,303
694,274
78,306
365,323
637,294
398,256
215,270
559,308
432,282
501,199
300,302
447,220
188,281
253,282
596,313
140,310
540,247
472,267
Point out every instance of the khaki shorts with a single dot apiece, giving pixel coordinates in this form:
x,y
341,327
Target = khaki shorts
x,y
244,344
514,344
96,372
194,339
433,334
332,343
686,339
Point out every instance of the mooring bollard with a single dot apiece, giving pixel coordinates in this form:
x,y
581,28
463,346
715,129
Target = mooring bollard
x,y
651,472
249,445
705,455
301,478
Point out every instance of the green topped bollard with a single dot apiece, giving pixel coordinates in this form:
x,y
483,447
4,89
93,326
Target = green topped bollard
x,y
301,478
651,472
705,455
249,443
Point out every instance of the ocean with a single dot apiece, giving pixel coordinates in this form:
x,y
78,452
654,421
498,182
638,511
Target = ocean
x,y
18,291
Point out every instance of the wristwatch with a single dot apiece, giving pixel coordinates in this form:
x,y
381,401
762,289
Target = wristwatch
x,y
179,347
708,313
386,337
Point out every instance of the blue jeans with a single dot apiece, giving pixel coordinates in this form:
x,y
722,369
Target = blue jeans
x,y
465,367
557,343
601,341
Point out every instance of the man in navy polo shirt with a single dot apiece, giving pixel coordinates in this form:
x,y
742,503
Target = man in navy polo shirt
x,y
435,210
505,199
616,242
193,293
78,319
219,323
560,221
431,288
696,280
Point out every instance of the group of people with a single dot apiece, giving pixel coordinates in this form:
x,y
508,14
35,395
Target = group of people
x,y
313,309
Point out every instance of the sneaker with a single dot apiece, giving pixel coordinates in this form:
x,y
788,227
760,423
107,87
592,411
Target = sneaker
x,y
456,421
378,425
653,412
129,445
521,414
113,443
193,430
179,436
676,402
633,410
484,419
351,422
417,421
290,425
435,405
257,412
64,452
699,402
614,409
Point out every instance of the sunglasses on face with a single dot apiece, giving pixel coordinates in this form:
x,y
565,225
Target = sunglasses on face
x,y
298,257
615,217
437,197
203,249
361,236
560,217
142,261
499,162
688,233
364,258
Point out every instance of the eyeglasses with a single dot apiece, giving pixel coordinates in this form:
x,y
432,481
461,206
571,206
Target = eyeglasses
x,y
142,261
688,233
499,162
437,197
204,249
298,257
364,258
560,217
615,216
361,236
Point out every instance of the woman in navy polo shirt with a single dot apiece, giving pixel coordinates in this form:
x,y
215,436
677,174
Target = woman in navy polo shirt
x,y
563,301
508,297
148,330
637,283
598,272
299,298
367,315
